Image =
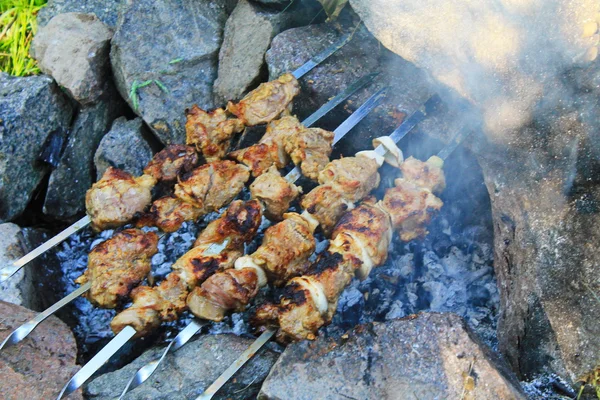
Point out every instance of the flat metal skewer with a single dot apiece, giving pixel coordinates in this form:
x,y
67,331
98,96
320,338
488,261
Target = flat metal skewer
x,y
7,272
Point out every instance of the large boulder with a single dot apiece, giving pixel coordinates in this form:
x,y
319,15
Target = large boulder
x,y
169,48
503,56
30,110
38,367
18,289
65,197
248,34
426,356
106,10
74,49
123,147
187,372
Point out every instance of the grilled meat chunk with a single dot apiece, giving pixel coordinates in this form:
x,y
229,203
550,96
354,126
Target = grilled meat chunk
x,y
211,132
173,160
116,198
216,249
267,101
426,174
169,213
411,208
117,265
274,192
310,148
213,185
352,177
326,205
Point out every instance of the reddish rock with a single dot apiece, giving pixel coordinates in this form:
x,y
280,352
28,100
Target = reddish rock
x,y
38,367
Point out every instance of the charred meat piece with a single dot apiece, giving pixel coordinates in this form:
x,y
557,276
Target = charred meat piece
x,y
267,101
411,208
310,148
216,249
171,161
274,192
326,205
426,174
116,198
211,132
213,185
352,177
117,265
169,213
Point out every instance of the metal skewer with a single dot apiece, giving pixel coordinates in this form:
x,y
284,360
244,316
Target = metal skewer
x,y
267,334
7,272
122,337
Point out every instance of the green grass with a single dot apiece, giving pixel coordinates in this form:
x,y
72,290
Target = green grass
x,y
17,27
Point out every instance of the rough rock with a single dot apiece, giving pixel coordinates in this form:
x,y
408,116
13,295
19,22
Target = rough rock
x,y
188,371
123,147
38,367
428,356
171,47
247,36
408,86
106,10
19,288
30,110
65,197
489,51
74,49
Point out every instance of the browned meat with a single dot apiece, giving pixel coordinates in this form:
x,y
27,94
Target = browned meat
x,y
352,177
427,174
117,265
229,290
173,160
169,213
267,101
325,205
211,132
116,198
411,208
212,186
216,249
274,192
310,148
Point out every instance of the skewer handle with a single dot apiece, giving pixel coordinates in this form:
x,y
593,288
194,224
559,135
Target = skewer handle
x,y
7,272
24,330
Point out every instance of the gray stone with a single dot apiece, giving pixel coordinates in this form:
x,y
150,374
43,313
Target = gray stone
x,y
65,197
39,367
30,110
427,356
408,86
123,147
248,34
106,10
188,371
74,49
19,288
176,44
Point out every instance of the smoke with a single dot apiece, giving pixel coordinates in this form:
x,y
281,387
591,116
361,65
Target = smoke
x,y
503,56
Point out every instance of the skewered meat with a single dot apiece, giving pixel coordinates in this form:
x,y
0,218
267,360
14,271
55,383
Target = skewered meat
x,y
116,198
267,101
411,208
168,214
274,192
310,148
211,132
428,174
325,205
117,265
168,163
360,241
213,185
216,248
270,149
283,254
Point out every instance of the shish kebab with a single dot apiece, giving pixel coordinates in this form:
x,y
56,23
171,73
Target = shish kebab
x,y
202,261
359,243
254,108
146,371
167,164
